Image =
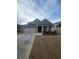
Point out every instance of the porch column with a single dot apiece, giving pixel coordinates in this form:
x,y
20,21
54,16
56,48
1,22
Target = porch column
x,y
42,29
36,28
47,28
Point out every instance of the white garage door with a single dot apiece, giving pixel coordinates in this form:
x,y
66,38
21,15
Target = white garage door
x,y
29,30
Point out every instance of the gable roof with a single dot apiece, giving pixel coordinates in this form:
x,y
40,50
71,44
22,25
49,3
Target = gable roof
x,y
36,21
58,24
45,22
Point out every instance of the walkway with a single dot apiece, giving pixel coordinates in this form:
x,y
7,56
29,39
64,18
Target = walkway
x,y
24,45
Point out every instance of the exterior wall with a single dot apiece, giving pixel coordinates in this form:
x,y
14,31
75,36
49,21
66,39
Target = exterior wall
x,y
35,29
45,28
54,28
29,30
58,29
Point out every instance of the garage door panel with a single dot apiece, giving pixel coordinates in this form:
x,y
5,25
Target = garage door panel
x,y
29,30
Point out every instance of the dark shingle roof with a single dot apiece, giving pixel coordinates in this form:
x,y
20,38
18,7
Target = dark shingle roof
x,y
58,24
36,21
45,22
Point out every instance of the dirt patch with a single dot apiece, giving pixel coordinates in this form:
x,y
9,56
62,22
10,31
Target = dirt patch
x,y
46,47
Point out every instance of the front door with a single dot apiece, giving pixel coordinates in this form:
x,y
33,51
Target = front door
x,y
39,29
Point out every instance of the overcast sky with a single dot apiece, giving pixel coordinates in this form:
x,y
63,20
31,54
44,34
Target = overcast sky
x,y
29,10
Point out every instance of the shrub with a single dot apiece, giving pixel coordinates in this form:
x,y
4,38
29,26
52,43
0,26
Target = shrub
x,y
50,32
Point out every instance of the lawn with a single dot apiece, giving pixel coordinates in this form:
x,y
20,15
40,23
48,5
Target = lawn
x,y
46,47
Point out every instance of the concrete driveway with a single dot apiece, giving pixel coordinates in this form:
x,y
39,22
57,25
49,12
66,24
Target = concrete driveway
x,y
24,45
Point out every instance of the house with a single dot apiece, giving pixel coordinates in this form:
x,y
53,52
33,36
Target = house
x,y
37,26
57,27
18,28
58,24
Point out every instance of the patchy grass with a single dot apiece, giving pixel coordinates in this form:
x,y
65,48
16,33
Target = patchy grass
x,y
50,32
46,47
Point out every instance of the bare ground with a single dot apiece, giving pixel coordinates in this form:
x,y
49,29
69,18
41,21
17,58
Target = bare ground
x,y
46,47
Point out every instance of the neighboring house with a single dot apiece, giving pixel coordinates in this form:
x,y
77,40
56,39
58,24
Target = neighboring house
x,y
37,26
57,26
18,28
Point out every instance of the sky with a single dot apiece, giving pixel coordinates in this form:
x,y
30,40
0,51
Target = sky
x,y
29,10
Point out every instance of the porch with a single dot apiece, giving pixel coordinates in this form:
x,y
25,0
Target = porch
x,y
41,29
